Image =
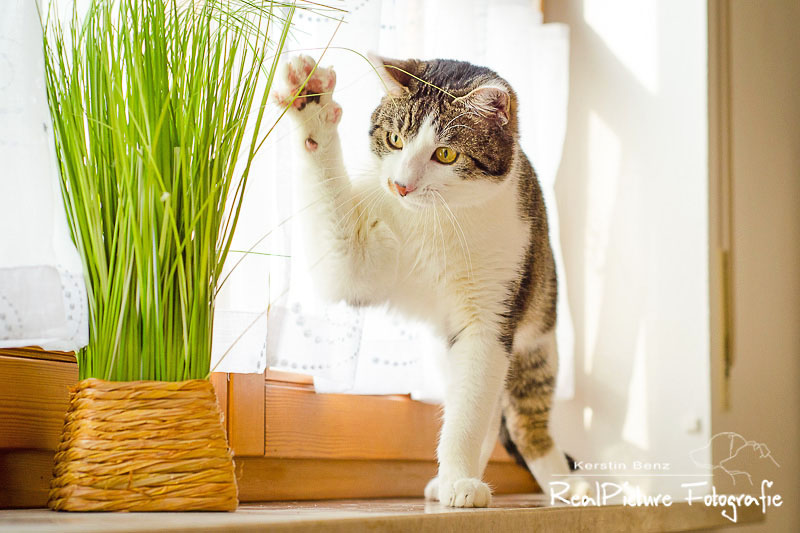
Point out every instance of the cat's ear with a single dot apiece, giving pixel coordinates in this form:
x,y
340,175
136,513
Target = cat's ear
x,y
490,101
396,74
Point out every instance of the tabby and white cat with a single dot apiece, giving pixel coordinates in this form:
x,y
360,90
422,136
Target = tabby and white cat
x,y
450,229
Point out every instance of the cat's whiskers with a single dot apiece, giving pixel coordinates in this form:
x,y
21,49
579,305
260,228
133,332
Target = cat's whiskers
x,y
376,202
462,237
441,236
423,253
342,219
421,250
346,177
374,199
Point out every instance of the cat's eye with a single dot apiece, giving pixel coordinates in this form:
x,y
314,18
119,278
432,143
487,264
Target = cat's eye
x,y
445,155
394,140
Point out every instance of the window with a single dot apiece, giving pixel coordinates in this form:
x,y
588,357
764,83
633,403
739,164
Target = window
x,y
634,230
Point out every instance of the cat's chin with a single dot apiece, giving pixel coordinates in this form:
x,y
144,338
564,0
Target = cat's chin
x,y
415,205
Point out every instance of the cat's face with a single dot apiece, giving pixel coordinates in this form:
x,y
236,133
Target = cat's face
x,y
434,147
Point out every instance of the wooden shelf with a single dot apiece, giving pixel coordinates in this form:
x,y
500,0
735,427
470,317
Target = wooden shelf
x,y
509,513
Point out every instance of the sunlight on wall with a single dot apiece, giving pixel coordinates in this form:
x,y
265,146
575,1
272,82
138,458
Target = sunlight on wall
x,y
636,428
635,45
587,418
632,194
601,186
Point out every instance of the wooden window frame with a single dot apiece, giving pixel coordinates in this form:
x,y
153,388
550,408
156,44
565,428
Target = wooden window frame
x,y
305,445
289,442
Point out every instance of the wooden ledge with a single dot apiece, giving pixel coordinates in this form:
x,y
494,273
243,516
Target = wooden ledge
x,y
34,352
509,513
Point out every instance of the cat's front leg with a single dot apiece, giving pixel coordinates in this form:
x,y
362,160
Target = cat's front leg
x,y
311,106
476,370
352,254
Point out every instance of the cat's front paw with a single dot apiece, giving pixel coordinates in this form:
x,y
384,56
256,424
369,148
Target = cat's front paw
x,y
464,492
312,106
319,85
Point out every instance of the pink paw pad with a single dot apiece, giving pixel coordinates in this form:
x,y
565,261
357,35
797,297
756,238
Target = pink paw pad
x,y
323,80
298,73
298,69
334,114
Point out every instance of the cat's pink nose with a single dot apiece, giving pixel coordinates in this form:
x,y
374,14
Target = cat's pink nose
x,y
403,190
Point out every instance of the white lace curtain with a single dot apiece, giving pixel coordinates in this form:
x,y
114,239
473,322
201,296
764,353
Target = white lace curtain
x,y
42,295
371,351
267,313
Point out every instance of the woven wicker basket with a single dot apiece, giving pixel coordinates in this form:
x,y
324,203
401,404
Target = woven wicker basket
x,y
143,446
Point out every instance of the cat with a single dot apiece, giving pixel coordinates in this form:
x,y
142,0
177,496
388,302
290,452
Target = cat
x,y
451,229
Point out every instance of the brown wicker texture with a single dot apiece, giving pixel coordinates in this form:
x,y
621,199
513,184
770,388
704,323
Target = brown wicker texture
x,y
143,446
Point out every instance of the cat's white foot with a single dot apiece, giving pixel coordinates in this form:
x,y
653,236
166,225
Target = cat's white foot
x,y
312,106
574,490
432,489
465,492
552,473
580,488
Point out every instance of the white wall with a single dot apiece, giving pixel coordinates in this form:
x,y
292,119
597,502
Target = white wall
x,y
632,195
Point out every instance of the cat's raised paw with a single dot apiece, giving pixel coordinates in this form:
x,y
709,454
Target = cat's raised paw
x,y
318,87
465,492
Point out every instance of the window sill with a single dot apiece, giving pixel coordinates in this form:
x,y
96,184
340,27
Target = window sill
x,y
509,513
289,442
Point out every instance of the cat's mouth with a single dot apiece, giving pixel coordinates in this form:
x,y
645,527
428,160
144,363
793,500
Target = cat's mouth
x,y
414,198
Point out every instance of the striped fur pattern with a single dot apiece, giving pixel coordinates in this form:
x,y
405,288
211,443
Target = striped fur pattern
x,y
460,242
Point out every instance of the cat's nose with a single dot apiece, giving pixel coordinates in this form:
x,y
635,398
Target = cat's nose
x,y
403,189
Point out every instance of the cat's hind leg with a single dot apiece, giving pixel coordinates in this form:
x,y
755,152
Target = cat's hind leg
x,y
526,405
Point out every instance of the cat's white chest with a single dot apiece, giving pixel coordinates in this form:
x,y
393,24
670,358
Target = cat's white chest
x,y
451,259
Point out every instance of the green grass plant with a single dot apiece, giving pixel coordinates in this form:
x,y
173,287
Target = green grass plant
x,y
156,112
